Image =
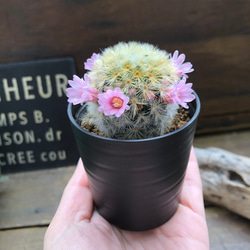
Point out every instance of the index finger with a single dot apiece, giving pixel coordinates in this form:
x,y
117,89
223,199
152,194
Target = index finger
x,y
76,203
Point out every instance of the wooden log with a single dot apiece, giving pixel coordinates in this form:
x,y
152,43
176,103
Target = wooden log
x,y
225,179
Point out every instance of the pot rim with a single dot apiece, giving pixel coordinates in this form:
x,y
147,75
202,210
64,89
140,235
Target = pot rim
x,y
195,115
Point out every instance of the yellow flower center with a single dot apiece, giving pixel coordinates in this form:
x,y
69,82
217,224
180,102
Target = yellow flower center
x,y
117,102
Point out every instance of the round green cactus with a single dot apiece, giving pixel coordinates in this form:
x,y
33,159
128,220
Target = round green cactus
x,y
133,90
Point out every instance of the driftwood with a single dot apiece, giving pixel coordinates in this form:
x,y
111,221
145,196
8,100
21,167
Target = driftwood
x,y
225,179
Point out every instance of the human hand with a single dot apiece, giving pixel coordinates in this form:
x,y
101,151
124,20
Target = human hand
x,y
76,225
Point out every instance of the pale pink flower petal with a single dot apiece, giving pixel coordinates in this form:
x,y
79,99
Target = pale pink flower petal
x,y
81,91
150,96
89,64
113,102
181,67
181,93
132,92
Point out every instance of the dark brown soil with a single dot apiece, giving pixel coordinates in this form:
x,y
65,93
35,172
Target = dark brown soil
x,y
92,129
180,120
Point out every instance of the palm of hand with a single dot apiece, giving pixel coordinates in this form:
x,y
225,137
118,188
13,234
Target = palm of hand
x,y
76,226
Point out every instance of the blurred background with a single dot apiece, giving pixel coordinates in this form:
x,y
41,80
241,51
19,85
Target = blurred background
x,y
214,35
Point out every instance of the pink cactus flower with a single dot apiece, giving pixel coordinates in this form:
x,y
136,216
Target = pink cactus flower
x,y
150,96
181,93
113,102
181,68
89,64
81,91
132,92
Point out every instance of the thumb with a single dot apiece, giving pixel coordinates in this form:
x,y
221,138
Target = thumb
x,y
76,203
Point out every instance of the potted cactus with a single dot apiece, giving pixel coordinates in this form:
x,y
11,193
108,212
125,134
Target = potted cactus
x,y
122,114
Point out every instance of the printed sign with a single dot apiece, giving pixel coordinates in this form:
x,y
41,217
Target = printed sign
x,y
35,131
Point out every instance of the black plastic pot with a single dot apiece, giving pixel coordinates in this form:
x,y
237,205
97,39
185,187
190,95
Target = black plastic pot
x,y
136,184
